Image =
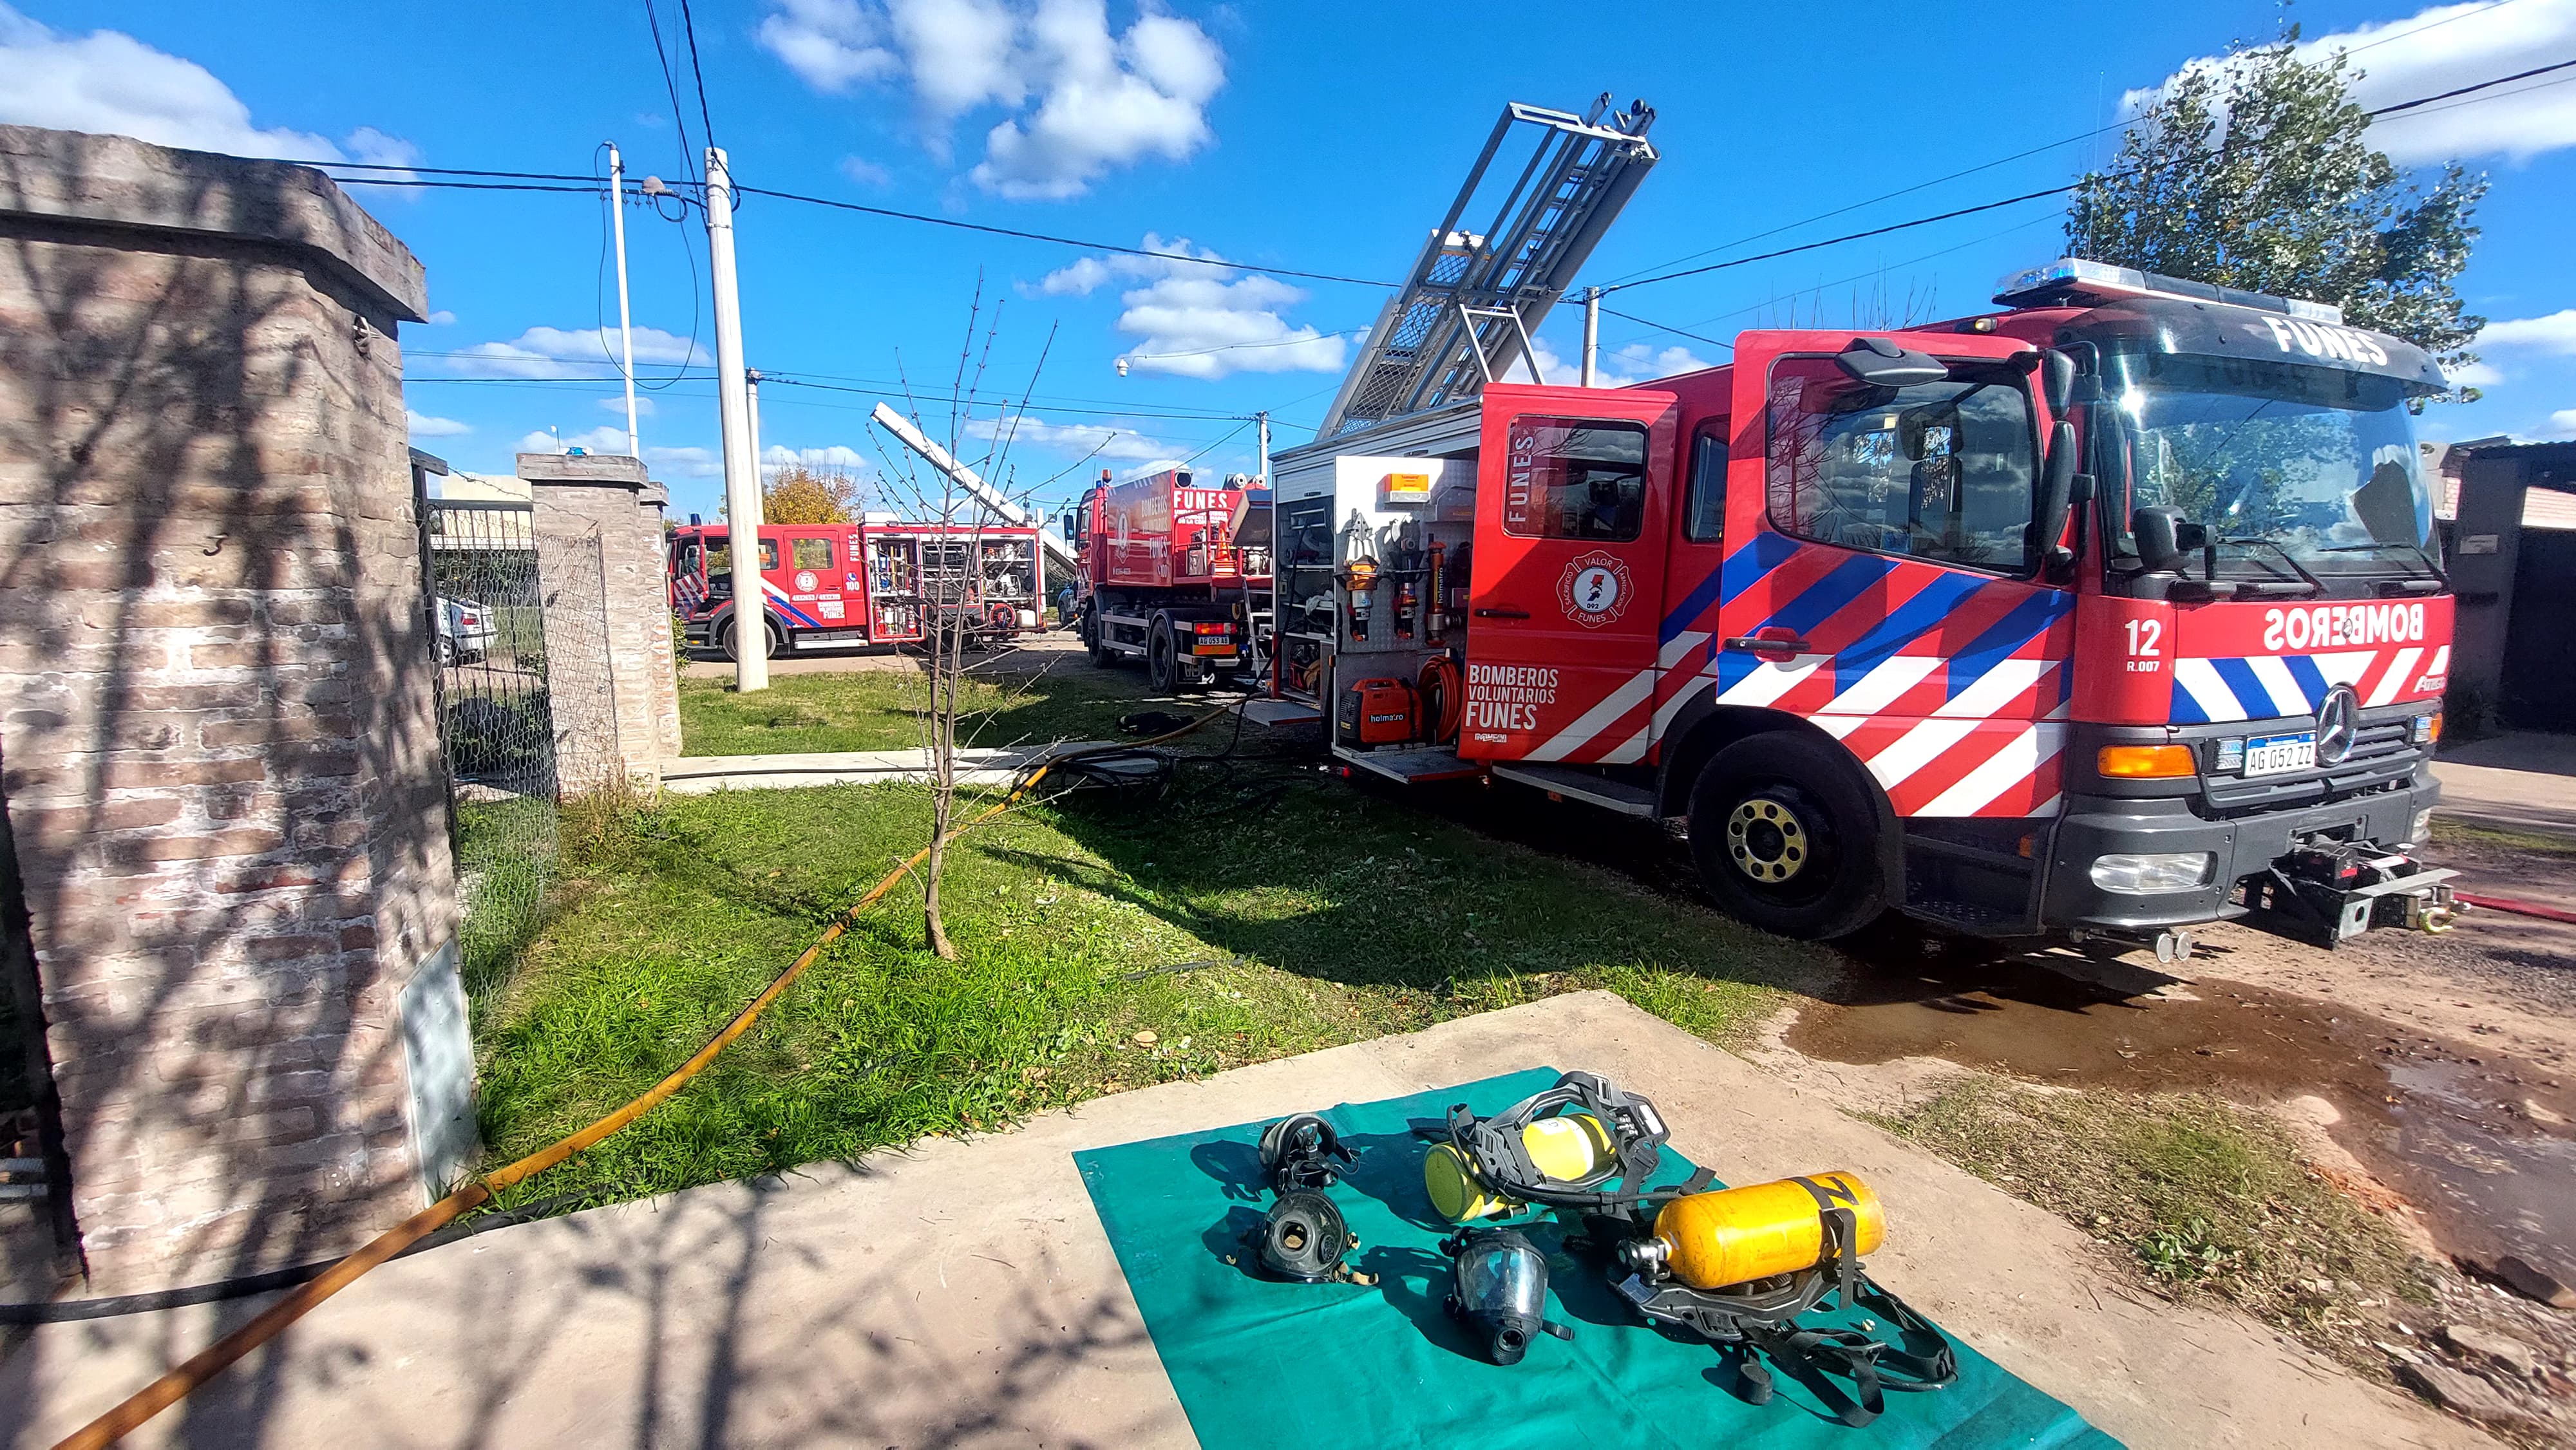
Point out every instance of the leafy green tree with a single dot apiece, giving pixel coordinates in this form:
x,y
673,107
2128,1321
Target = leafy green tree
x,y
2256,171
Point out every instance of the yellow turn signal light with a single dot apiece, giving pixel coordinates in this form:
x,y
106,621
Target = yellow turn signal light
x,y
2146,762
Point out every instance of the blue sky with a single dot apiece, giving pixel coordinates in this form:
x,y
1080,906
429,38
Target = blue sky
x,y
1324,137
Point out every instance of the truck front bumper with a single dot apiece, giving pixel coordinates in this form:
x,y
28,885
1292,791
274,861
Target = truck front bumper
x,y
2245,847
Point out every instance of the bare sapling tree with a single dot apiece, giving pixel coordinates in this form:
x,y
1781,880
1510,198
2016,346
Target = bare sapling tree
x,y
966,578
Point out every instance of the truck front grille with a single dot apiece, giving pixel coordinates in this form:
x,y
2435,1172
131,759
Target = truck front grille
x,y
2383,757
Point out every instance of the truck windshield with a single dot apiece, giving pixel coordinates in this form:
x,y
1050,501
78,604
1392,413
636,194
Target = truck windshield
x,y
2292,470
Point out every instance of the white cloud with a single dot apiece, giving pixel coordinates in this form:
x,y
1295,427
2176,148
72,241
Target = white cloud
x,y
1078,98
2553,333
2474,375
554,352
425,426
2439,49
1105,104
1097,440
2562,423
1642,363
441,318
835,458
690,462
832,45
1201,321
611,439
109,83
865,173
644,405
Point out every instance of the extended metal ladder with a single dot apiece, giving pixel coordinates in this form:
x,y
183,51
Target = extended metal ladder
x,y
1473,300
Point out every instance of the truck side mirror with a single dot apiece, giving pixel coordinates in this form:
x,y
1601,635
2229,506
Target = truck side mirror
x,y
2056,489
1880,363
2159,530
2057,381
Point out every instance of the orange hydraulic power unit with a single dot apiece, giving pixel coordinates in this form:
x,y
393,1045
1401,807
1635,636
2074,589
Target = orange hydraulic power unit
x,y
1375,712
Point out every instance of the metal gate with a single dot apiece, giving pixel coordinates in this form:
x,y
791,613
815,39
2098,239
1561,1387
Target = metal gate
x,y
519,641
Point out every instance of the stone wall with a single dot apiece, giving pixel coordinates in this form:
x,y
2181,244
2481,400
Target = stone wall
x,y
218,739
610,496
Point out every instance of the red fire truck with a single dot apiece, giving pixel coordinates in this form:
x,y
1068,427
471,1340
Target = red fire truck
x,y
2109,613
834,586
1174,573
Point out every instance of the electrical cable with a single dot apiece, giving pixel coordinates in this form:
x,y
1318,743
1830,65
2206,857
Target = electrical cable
x,y
2389,110
938,221
689,27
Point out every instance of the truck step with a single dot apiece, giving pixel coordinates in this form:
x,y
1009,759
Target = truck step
x,y
1612,795
1412,766
1276,713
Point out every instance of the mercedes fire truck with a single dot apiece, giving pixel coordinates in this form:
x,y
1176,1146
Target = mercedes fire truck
x,y
2108,613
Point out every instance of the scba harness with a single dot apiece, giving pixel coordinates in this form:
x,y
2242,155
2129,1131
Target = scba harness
x,y
1758,1317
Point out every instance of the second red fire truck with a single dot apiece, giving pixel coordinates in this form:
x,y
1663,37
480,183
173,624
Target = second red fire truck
x,y
2110,612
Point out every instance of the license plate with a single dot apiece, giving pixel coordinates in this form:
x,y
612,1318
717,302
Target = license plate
x,y
2281,754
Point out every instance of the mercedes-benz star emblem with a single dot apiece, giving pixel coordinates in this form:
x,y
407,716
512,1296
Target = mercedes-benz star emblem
x,y
2338,721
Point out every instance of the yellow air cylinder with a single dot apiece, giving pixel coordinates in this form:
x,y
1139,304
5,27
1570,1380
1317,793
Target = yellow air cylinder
x,y
1566,1148
1735,1235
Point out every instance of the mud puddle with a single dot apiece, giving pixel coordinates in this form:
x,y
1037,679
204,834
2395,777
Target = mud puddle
x,y
2480,1143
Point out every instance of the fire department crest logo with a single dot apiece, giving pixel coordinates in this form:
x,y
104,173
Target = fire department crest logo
x,y
1593,591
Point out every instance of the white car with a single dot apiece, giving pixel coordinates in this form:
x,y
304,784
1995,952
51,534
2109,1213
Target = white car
x,y
465,631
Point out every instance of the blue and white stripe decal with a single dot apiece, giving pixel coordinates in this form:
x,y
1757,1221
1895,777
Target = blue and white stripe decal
x,y
2261,687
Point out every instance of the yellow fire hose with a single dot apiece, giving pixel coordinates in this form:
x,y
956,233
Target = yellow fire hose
x,y
204,1365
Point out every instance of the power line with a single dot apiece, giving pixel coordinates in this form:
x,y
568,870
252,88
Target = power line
x,y
2044,192
939,221
689,27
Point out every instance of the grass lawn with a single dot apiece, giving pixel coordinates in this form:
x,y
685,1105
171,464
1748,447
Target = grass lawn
x,y
1258,910
1015,698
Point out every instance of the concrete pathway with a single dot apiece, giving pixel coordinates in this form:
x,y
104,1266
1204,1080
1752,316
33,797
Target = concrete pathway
x,y
2519,781
702,774
963,1293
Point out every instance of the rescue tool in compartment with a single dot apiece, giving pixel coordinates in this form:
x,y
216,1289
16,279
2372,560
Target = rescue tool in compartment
x,y
2104,614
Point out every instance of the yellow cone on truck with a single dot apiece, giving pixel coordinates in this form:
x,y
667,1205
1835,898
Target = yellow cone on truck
x,y
1736,1235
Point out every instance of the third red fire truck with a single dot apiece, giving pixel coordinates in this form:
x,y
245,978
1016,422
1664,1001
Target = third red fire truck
x,y
2112,611
1174,573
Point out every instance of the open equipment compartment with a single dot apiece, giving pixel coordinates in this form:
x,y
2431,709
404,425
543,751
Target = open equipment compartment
x,y
1375,552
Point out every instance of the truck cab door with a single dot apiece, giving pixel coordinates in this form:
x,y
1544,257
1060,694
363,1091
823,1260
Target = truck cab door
x,y
814,595
1573,503
1882,580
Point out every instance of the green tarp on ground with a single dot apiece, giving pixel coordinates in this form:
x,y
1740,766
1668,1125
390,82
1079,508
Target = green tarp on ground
x,y
1260,1363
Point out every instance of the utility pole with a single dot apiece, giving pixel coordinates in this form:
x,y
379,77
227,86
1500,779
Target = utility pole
x,y
751,390
1591,333
1264,420
625,318
741,468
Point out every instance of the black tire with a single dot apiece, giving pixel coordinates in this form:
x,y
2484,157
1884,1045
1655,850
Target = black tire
x,y
1163,657
769,636
1101,654
1785,835
448,653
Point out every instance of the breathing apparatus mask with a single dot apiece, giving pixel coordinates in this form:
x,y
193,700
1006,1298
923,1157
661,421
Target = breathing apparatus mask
x,y
1500,1290
1303,1236
1582,1146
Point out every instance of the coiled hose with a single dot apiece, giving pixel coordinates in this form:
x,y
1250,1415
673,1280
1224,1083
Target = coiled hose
x,y
206,1363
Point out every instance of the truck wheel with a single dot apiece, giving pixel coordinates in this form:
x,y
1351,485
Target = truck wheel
x,y
1163,657
769,636
1101,654
1784,838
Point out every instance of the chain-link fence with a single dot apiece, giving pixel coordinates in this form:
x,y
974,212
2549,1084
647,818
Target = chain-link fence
x,y
526,704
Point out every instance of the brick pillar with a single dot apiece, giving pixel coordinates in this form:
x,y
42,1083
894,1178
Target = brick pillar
x,y
216,707
609,495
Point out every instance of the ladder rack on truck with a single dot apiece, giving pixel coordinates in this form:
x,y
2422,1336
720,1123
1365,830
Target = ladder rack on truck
x,y
2108,613
839,586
